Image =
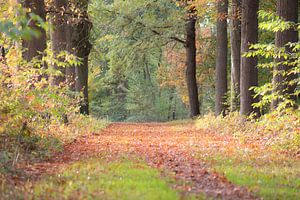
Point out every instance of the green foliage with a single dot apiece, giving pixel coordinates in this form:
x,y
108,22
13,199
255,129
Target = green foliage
x,y
274,23
16,27
130,41
274,56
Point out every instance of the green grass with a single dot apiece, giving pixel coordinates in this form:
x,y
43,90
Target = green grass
x,y
270,180
97,179
269,167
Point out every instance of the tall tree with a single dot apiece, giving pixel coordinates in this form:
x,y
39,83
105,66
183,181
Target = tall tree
x,y
58,35
35,44
82,47
190,46
249,71
235,44
221,60
288,11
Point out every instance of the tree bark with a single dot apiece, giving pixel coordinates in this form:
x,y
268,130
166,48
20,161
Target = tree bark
x,y
82,47
235,41
71,70
221,60
288,11
2,54
249,71
59,36
191,67
35,45
82,81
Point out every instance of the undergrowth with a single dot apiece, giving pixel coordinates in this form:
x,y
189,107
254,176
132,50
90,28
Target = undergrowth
x,y
280,132
36,145
37,117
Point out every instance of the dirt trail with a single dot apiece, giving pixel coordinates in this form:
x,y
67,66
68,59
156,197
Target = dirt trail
x,y
165,146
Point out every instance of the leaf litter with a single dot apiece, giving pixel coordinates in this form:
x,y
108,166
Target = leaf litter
x,y
172,148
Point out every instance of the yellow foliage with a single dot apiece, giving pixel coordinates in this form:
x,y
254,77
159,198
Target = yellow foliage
x,y
272,130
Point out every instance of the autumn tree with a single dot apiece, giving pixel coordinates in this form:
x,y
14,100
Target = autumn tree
x,y
221,59
249,71
235,44
283,87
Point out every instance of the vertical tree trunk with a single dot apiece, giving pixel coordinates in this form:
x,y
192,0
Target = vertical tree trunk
x,y
70,71
35,44
170,106
235,40
191,67
82,46
287,10
249,71
82,80
2,54
58,35
221,60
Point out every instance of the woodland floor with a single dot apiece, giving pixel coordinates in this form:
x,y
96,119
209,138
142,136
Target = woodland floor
x,y
179,150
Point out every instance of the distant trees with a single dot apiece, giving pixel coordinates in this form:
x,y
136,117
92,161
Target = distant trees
x,y
141,29
221,59
136,43
72,29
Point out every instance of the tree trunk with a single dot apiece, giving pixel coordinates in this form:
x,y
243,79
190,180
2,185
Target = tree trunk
x,y
82,47
35,44
235,40
287,10
249,71
59,35
221,60
2,54
82,81
70,71
170,110
191,67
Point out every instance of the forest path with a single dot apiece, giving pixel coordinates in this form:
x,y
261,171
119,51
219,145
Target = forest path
x,y
176,148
